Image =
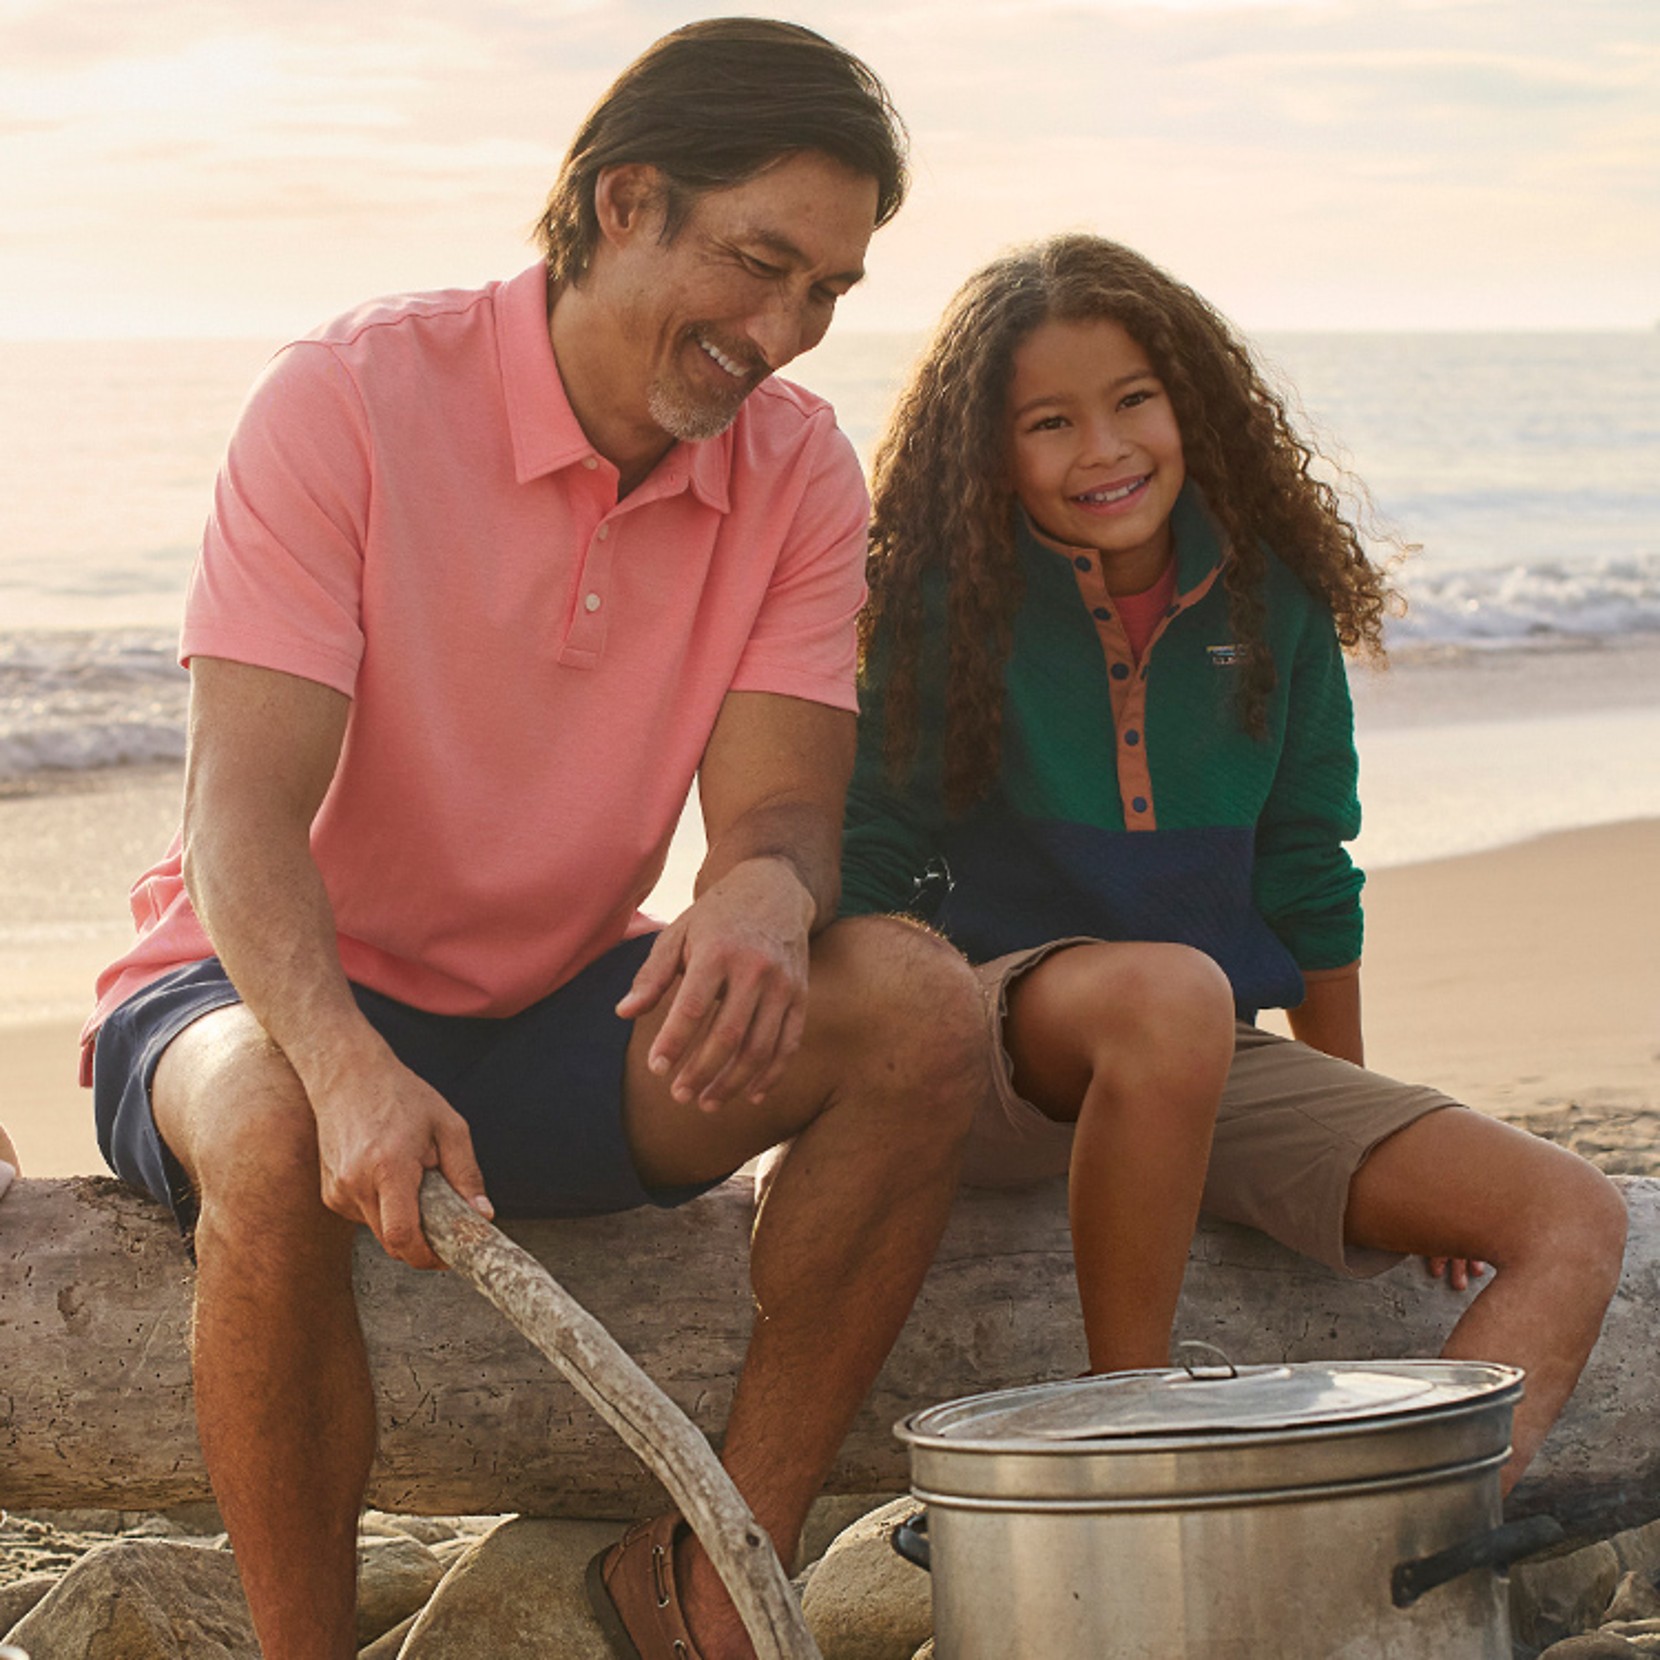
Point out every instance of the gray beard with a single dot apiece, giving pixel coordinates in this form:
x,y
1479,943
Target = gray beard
x,y
691,419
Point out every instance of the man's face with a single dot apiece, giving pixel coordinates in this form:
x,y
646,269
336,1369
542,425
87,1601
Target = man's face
x,y
749,282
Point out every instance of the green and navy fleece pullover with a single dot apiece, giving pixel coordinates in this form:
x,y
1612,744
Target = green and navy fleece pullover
x,y
1131,804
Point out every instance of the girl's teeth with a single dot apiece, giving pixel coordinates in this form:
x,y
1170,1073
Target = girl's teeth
x,y
1101,497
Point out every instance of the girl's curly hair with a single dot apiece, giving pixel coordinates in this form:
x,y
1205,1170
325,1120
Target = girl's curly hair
x,y
943,501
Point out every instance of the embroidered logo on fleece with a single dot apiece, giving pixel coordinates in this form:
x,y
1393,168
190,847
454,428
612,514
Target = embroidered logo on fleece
x,y
1224,657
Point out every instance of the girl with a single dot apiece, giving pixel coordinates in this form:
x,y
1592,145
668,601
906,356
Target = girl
x,y
1107,704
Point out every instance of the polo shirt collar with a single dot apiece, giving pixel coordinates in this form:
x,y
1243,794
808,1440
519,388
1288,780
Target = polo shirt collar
x,y
545,431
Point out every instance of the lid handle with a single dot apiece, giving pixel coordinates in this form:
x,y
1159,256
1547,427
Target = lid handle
x,y
1201,1374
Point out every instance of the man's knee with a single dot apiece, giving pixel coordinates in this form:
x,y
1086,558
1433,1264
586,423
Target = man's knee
x,y
897,1003
232,1111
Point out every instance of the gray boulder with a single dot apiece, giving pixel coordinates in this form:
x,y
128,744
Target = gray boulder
x,y
518,1594
864,1601
395,1576
20,1595
142,1599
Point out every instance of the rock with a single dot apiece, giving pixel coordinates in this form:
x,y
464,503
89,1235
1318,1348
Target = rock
x,y
395,1576
143,1599
518,1594
1635,1598
430,1530
18,1597
1562,1596
864,1601
1594,1645
388,1645
831,1515
1638,1549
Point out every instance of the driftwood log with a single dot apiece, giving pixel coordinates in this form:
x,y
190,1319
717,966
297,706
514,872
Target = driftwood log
x,y
95,1404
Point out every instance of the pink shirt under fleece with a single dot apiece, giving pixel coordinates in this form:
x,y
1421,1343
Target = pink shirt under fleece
x,y
409,512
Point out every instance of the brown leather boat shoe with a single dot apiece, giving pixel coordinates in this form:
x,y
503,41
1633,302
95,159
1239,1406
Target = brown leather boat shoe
x,y
632,1592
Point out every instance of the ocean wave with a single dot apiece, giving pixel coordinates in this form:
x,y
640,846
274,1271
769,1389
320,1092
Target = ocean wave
x,y
77,701
1506,605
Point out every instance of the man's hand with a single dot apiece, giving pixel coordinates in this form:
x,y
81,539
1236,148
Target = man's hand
x,y
379,1130
740,956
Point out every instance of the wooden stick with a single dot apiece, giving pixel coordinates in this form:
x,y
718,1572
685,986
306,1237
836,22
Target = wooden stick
x,y
652,1426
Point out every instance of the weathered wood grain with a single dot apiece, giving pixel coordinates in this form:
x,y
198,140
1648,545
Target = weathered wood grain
x,y
95,1404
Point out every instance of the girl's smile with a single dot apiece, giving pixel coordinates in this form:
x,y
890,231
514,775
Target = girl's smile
x,y
1095,453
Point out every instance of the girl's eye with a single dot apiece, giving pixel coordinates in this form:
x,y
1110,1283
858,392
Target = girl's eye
x,y
1133,399
1048,423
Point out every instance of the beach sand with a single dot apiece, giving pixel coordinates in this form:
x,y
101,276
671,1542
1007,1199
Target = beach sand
x,y
1525,980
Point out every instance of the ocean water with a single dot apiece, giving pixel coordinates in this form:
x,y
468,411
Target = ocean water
x,y
1525,470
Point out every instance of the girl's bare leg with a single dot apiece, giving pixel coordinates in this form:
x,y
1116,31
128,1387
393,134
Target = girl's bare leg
x,y
1132,1042
1457,1184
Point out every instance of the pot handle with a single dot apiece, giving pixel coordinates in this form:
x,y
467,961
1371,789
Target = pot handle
x,y
1497,1548
910,1539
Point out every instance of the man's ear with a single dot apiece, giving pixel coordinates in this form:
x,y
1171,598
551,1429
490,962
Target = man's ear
x,y
627,197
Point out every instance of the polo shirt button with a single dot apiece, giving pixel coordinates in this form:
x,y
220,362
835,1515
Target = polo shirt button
x,y
591,602
1082,564
603,532
1132,736
1121,671
590,462
1139,804
1103,613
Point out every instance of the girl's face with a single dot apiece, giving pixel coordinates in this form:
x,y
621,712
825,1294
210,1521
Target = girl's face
x,y
1094,449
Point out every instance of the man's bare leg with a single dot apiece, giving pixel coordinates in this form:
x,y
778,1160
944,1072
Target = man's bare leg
x,y
1456,1184
878,1101
284,1407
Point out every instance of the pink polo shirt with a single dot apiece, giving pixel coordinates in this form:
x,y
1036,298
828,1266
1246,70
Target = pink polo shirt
x,y
409,512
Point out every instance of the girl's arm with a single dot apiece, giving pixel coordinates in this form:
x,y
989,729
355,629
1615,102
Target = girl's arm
x,y
1328,1018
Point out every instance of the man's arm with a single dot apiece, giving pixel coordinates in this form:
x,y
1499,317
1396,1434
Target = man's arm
x,y
263,749
772,785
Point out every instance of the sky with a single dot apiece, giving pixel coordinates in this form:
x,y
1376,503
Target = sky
x,y
252,167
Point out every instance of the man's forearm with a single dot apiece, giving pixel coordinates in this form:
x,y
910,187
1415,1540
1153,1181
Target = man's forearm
x,y
801,835
262,901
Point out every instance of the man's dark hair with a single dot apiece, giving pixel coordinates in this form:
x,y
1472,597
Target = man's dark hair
x,y
712,105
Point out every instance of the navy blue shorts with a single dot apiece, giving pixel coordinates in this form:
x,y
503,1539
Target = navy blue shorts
x,y
541,1090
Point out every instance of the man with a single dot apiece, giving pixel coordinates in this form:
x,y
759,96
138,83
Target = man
x,y
489,577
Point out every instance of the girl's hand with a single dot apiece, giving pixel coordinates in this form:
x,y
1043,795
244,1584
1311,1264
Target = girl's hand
x,y
1456,1271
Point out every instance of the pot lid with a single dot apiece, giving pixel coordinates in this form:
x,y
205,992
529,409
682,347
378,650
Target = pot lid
x,y
1215,1401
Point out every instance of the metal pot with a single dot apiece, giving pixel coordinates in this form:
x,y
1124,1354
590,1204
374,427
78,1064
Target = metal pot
x,y
1303,1512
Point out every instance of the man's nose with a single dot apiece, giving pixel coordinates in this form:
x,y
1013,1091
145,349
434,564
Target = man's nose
x,y
782,329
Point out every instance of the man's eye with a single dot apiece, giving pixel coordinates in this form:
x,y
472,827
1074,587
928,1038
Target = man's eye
x,y
761,268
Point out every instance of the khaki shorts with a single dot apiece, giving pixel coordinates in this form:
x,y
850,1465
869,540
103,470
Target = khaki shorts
x,y
1293,1127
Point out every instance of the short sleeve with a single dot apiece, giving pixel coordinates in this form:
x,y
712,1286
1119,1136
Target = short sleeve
x,y
278,581
804,641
